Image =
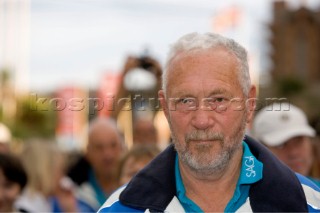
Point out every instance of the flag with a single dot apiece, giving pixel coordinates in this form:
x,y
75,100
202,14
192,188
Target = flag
x,y
227,19
107,93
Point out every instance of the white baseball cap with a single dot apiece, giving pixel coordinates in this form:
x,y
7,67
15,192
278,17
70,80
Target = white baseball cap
x,y
5,135
279,122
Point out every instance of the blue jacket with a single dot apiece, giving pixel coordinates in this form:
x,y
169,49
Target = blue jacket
x,y
153,189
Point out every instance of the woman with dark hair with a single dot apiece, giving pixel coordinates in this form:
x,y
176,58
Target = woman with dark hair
x,y
13,179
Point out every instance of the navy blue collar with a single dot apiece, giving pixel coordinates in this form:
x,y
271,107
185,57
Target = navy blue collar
x,y
278,191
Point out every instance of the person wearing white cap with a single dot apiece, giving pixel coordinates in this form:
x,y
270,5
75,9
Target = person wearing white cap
x,y
284,129
5,138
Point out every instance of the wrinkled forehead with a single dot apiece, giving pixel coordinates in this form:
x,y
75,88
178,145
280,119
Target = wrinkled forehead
x,y
215,57
185,65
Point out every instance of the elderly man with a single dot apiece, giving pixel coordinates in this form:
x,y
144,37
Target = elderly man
x,y
96,174
284,129
211,166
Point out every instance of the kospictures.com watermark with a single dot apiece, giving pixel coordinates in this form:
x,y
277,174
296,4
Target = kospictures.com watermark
x,y
93,105
139,103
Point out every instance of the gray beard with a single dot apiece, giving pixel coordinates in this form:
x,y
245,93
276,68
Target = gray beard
x,y
202,162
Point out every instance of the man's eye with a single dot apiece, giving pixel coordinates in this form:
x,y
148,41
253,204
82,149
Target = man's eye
x,y
216,103
186,104
187,100
216,100
219,100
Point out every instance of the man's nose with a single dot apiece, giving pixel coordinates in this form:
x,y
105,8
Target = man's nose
x,y
107,151
202,119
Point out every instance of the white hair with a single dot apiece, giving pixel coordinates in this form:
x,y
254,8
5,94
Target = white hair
x,y
196,41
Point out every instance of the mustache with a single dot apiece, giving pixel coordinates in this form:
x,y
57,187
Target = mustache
x,y
201,135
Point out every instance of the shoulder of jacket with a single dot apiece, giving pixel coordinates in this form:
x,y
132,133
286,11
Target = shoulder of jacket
x,y
113,204
114,197
311,191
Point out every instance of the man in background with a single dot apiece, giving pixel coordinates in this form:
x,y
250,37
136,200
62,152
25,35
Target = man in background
x,y
284,129
96,174
144,132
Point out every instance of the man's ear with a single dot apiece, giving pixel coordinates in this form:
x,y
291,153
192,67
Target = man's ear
x,y
163,102
251,103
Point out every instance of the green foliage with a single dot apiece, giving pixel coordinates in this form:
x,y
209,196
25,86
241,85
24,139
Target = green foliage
x,y
31,123
4,76
28,122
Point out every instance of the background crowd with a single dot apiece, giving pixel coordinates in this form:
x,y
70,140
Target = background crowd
x,y
43,177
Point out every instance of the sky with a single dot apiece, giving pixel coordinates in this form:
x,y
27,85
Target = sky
x,y
74,42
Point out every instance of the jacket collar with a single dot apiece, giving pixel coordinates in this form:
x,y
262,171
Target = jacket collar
x,y
154,187
279,190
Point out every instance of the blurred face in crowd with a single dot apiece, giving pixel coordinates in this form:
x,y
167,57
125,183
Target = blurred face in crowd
x,y
131,167
207,127
296,153
104,149
4,147
9,192
144,132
